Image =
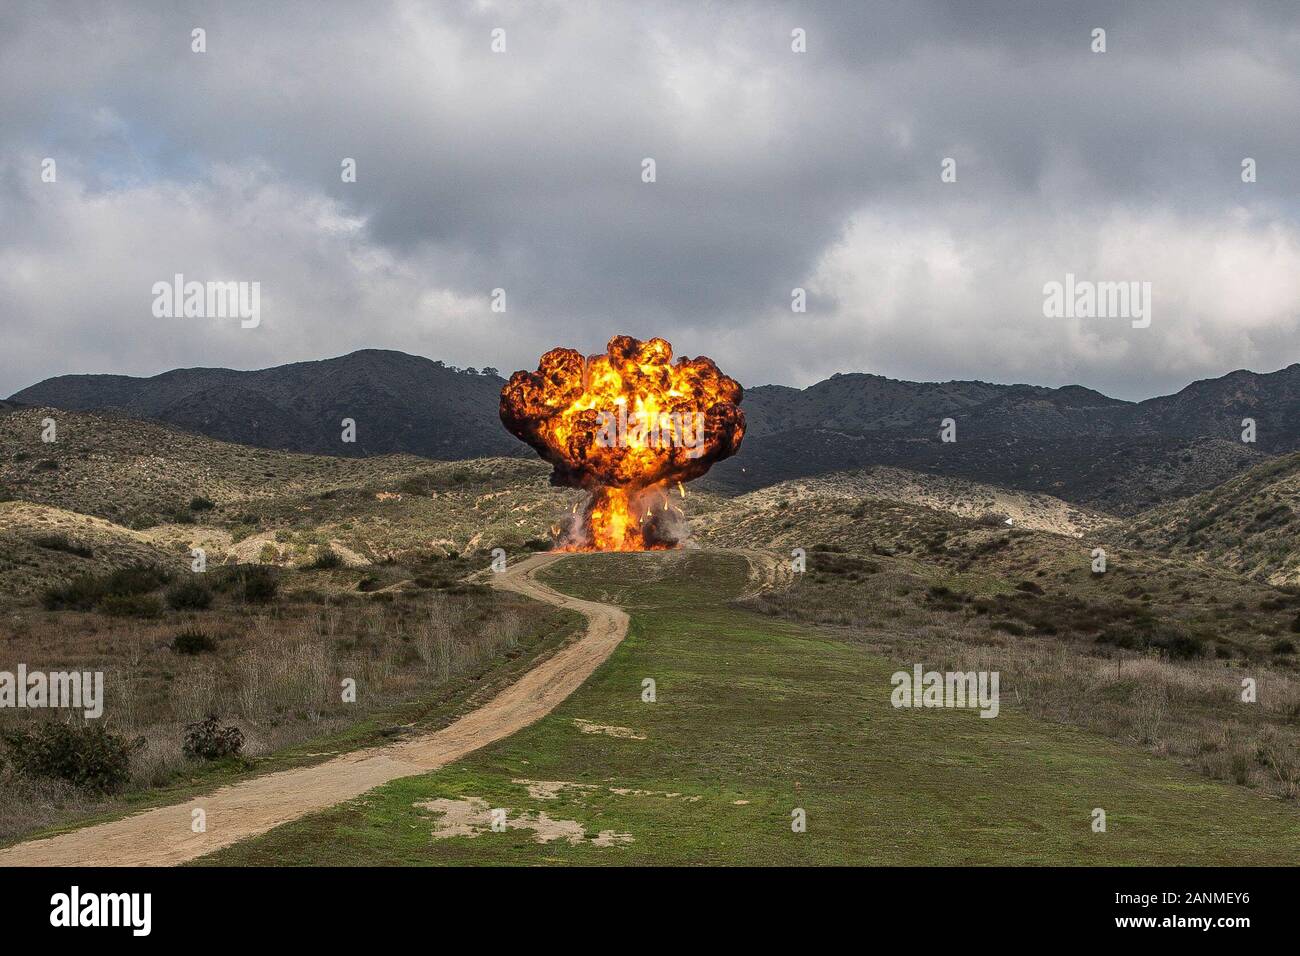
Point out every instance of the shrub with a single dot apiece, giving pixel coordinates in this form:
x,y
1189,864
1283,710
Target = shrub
x,y
259,584
48,464
208,740
1181,647
82,593
1283,646
255,583
1295,625
131,605
60,542
189,595
421,484
199,503
137,579
193,641
327,559
87,756
124,592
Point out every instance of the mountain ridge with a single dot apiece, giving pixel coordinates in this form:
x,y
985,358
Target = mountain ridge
x,y
1071,441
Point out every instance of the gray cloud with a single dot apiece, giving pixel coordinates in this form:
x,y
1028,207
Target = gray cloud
x,y
521,170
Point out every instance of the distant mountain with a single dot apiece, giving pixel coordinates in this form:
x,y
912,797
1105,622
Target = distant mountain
x,y
1072,442
870,405
400,403
1215,407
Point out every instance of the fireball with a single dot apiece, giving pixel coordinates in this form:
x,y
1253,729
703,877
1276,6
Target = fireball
x,y
625,425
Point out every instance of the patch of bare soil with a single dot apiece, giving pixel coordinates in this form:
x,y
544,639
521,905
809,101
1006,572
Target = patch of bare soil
x,y
473,817
587,727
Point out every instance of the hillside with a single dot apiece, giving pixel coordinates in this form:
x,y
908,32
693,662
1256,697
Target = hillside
x,y
125,490
858,404
401,404
41,546
1118,475
1248,524
1072,443
868,489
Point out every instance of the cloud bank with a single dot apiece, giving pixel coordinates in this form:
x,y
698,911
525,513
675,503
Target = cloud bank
x,y
775,170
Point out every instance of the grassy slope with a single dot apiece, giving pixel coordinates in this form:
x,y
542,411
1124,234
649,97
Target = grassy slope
x,y
1247,524
750,709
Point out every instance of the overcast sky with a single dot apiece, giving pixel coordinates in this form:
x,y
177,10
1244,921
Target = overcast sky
x,y
522,170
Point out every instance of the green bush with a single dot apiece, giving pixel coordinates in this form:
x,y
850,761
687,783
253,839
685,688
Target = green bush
x,y
137,579
1181,647
87,756
193,641
1283,646
208,740
254,583
258,583
60,542
82,593
199,503
327,559
189,595
131,605
124,592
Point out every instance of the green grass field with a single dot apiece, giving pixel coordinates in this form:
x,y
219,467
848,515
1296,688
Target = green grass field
x,y
756,717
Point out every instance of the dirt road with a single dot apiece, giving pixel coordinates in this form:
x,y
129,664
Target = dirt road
x,y
164,836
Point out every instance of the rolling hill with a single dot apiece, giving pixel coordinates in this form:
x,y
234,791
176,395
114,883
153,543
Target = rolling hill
x,y
1072,443
1248,524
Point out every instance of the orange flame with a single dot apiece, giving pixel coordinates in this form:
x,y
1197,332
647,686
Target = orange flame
x,y
624,425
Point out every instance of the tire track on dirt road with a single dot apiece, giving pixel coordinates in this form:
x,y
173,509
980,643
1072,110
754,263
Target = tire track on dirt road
x,y
162,836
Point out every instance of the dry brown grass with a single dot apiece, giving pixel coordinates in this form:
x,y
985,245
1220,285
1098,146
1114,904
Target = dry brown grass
x,y
276,673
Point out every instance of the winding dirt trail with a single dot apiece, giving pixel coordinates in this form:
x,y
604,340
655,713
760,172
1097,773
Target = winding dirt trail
x,y
163,836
